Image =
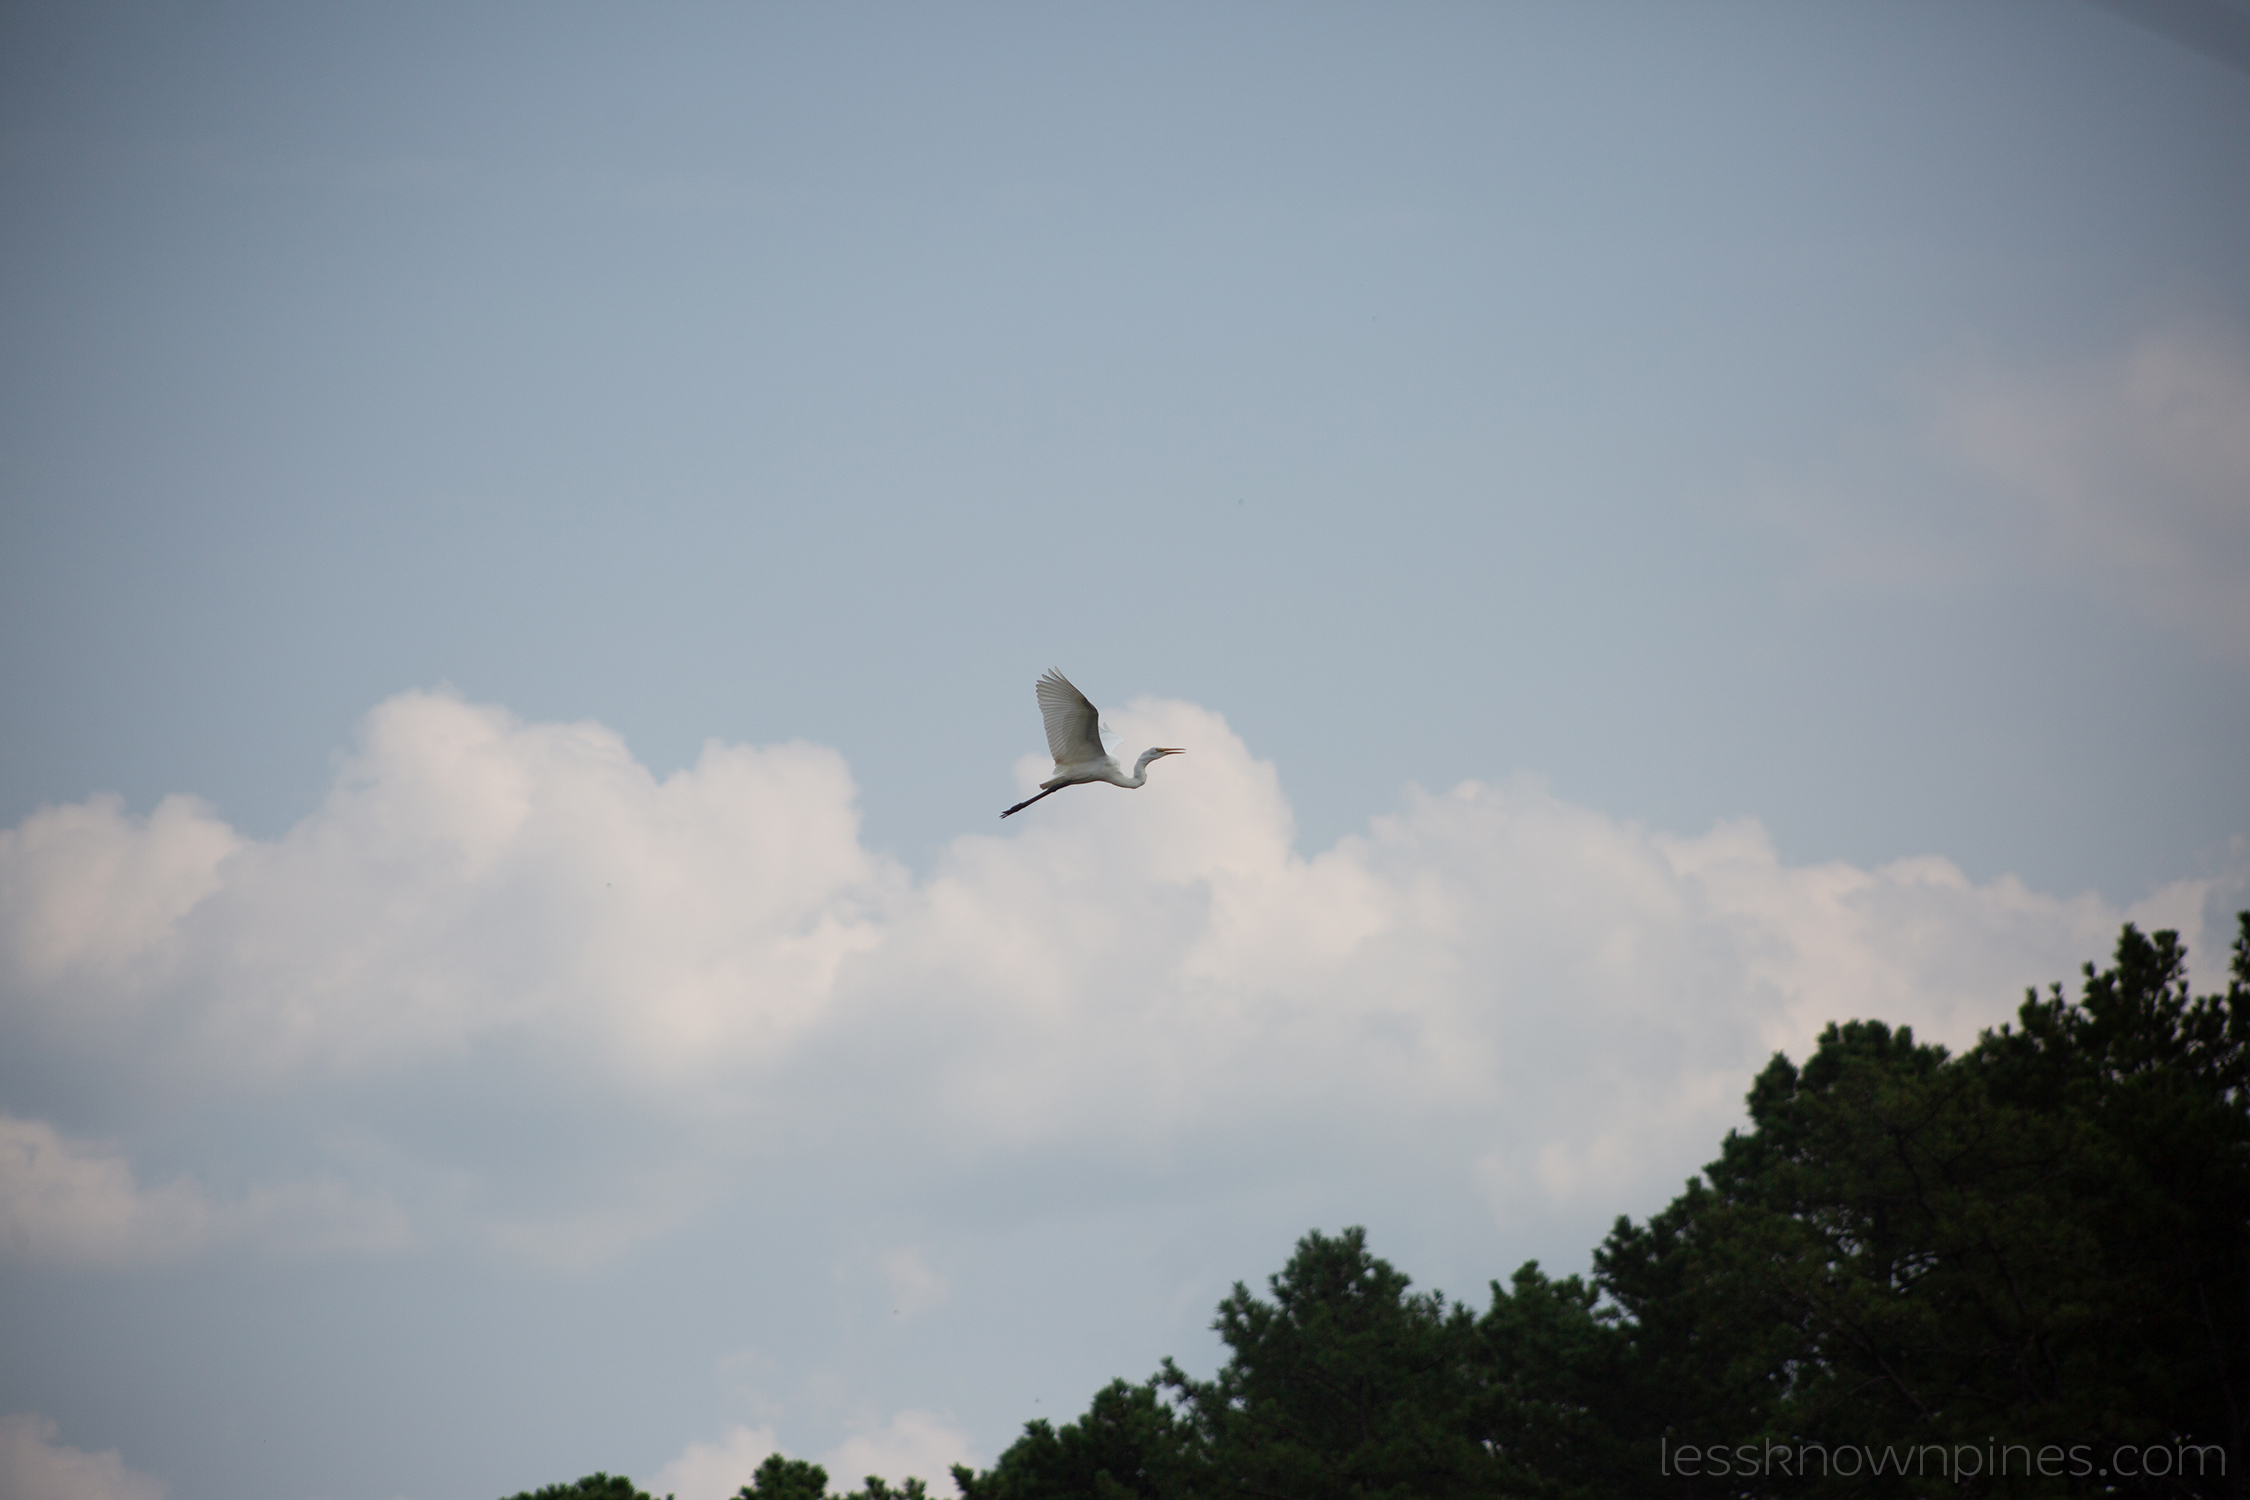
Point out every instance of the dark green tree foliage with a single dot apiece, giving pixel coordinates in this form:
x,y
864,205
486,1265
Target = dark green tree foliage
x,y
2041,1246
1129,1444
781,1478
876,1489
1888,1257
1549,1367
777,1478
1349,1384
2162,1081
592,1487
2043,1243
1345,1385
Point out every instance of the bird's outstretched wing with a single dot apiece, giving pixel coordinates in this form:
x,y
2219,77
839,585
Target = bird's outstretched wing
x,y
1073,725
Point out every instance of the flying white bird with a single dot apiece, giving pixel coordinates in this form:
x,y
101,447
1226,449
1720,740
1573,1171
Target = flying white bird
x,y
1074,733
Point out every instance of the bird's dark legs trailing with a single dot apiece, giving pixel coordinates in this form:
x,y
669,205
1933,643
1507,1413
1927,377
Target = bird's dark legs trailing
x,y
1026,802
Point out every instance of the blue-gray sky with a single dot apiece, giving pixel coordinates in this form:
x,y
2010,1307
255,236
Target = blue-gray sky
x,y
1791,462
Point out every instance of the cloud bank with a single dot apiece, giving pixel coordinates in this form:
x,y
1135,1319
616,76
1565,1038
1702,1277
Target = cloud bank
x,y
612,999
715,1471
913,1443
36,1465
2128,475
2135,474
72,1202
507,995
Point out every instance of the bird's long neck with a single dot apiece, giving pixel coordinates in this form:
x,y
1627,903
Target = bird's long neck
x,y
1140,769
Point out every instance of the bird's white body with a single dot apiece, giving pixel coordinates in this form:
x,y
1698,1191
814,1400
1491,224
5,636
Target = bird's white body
x,y
1106,769
1074,735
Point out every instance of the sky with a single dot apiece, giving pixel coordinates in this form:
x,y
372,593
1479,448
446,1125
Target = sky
x,y
526,538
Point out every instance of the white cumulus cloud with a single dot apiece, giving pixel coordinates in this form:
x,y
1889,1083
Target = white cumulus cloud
x,y
2136,471
912,1444
715,1471
506,986
68,1202
2126,475
36,1465
468,874
913,1286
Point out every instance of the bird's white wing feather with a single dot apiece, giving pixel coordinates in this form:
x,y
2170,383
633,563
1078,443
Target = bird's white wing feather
x,y
1073,724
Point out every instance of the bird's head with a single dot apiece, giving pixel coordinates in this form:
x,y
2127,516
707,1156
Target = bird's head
x,y
1157,753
